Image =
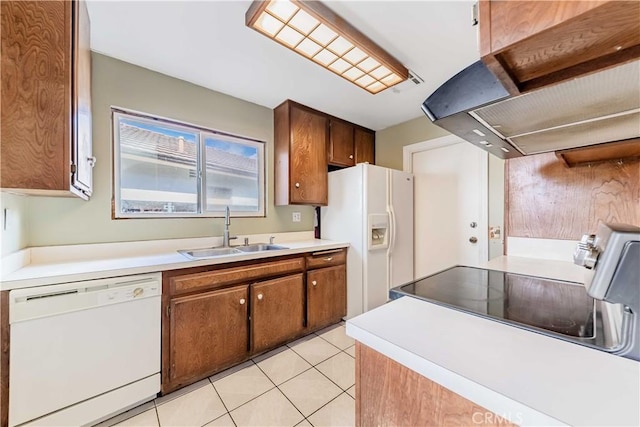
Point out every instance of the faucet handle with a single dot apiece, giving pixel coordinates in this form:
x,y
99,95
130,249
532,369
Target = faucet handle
x,y
246,241
271,239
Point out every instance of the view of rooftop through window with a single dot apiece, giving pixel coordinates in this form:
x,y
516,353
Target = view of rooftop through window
x,y
171,169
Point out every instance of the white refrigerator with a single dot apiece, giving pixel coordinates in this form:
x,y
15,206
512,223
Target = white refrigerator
x,y
371,207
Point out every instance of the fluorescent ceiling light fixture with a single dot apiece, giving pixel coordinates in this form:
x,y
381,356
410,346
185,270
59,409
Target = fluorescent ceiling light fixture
x,y
314,31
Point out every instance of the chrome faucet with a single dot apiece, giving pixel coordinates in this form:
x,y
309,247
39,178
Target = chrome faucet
x,y
227,223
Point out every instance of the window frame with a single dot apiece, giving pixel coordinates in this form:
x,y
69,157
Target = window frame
x,y
202,133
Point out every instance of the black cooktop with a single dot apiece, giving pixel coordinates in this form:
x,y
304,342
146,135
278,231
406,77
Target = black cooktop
x,y
551,306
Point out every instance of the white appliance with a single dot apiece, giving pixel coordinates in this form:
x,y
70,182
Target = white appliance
x,y
81,352
371,207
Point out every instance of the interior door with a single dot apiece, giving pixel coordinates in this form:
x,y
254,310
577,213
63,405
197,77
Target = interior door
x,y
450,207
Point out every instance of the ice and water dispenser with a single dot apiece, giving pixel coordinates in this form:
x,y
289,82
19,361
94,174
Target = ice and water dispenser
x,y
378,231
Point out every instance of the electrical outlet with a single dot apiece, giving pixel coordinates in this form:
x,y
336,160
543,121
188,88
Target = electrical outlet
x,y
296,217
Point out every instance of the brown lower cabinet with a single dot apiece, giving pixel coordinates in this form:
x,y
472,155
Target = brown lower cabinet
x,y
277,311
390,394
326,296
217,316
198,344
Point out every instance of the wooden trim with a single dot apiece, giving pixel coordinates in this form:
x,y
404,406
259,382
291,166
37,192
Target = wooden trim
x,y
501,71
593,66
628,149
165,333
4,358
328,116
341,26
254,11
484,27
234,275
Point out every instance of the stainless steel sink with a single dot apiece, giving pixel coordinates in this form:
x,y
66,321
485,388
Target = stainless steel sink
x,y
208,252
257,247
218,252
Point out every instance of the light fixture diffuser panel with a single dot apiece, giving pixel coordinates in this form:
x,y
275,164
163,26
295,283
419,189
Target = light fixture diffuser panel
x,y
316,32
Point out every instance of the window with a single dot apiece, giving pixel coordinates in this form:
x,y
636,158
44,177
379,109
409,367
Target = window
x,y
165,168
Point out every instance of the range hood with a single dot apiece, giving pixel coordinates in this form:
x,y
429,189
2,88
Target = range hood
x,y
592,109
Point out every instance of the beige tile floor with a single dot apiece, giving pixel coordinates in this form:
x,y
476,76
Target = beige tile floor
x,y
309,382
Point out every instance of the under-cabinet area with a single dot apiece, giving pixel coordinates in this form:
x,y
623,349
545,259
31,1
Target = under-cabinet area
x,y
217,316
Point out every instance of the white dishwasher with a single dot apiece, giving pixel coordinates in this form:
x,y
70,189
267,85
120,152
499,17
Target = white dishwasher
x,y
82,351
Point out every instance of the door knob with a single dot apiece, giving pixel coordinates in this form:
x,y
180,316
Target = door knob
x,y
260,296
92,161
297,185
473,239
314,283
242,301
473,224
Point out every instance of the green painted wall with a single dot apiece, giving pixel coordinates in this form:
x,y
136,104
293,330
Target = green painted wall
x,y
56,221
389,141
13,210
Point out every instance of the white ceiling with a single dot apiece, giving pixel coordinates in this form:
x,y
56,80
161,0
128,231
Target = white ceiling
x,y
207,43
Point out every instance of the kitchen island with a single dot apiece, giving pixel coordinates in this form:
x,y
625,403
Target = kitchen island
x,y
499,374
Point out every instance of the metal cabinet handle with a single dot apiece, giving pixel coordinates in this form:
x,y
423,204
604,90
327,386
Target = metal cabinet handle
x,y
314,283
473,239
260,296
328,258
242,301
297,185
92,161
351,156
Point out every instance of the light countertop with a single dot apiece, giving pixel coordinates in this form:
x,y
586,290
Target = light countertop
x,y
528,378
51,265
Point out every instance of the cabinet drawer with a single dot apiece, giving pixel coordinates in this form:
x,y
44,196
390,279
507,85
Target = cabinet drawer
x,y
326,258
229,276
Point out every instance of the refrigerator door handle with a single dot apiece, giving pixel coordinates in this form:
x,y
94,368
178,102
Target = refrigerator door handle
x,y
392,229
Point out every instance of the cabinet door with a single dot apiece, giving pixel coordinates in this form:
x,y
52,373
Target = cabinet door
x,y
308,168
82,146
341,149
208,332
326,296
365,143
277,311
36,94
532,44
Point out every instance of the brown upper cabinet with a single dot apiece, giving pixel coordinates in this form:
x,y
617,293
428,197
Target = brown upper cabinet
x,y
365,143
301,136
531,44
307,141
350,144
45,126
341,143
